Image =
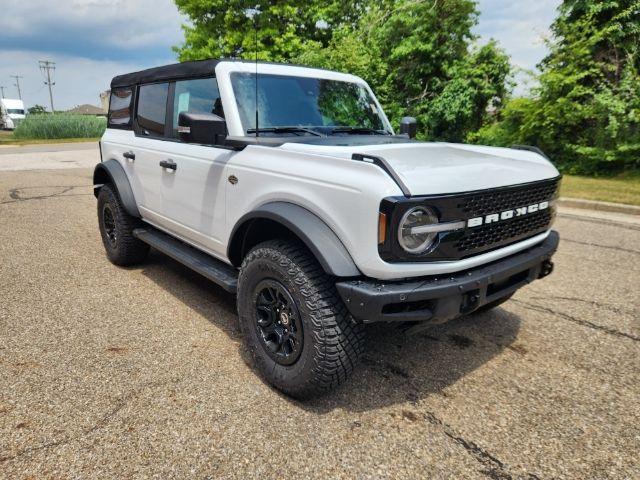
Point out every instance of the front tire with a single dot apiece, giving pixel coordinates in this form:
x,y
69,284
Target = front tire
x,y
297,329
116,229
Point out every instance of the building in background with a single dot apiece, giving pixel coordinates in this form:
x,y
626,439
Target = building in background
x,y
104,100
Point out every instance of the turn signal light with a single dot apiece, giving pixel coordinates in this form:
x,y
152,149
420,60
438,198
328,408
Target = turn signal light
x,y
382,227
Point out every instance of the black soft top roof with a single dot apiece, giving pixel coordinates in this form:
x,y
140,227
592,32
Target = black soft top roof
x,y
180,71
176,71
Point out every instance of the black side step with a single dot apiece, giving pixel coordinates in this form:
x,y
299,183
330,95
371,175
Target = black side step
x,y
215,270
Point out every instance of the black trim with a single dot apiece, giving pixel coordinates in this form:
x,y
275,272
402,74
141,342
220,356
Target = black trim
x,y
215,270
118,177
168,121
442,297
450,208
166,73
309,228
240,143
530,148
187,70
384,165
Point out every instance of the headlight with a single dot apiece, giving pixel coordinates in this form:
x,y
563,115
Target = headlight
x,y
411,232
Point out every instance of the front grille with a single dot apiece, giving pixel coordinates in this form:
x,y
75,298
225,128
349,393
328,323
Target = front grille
x,y
476,240
470,241
485,203
492,234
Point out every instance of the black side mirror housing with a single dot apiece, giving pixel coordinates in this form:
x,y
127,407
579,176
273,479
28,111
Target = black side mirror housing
x,y
202,128
409,127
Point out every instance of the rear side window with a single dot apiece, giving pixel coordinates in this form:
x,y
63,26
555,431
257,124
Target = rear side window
x,y
196,96
120,107
152,108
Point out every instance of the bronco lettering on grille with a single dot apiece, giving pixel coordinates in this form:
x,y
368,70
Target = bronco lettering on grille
x,y
507,214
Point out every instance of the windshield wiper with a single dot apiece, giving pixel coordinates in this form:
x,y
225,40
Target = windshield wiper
x,y
283,130
359,131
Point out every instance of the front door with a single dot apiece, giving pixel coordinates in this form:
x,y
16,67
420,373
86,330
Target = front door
x,y
193,182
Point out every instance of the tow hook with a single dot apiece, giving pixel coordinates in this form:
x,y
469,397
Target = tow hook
x,y
546,268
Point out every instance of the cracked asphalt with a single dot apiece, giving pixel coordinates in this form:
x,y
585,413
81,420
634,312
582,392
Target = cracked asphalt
x,y
108,372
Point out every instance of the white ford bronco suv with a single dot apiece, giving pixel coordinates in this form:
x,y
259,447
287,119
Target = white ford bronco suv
x,y
287,186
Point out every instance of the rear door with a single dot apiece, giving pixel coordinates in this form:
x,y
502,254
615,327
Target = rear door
x,y
193,190
149,149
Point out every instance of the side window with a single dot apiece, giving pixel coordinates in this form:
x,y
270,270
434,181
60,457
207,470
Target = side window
x,y
152,108
196,96
120,107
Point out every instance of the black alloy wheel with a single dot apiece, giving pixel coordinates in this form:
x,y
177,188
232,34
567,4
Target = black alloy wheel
x,y
109,225
278,322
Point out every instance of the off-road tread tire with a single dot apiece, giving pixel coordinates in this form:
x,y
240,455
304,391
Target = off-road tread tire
x,y
333,343
129,250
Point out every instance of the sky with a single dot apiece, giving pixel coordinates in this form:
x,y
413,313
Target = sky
x,y
91,41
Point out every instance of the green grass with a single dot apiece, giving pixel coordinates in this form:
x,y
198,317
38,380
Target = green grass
x,y
58,126
624,188
7,138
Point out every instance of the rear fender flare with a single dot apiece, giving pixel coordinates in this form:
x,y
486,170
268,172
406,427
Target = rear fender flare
x,y
112,172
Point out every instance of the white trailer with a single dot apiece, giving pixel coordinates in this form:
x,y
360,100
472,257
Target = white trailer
x,y
11,113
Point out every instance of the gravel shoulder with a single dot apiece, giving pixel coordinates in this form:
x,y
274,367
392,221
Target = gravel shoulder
x,y
108,372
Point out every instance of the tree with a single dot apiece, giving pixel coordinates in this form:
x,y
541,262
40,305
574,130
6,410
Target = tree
x,y
227,28
37,109
417,56
586,111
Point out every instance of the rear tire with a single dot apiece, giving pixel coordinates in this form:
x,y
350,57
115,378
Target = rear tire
x,y
116,229
282,285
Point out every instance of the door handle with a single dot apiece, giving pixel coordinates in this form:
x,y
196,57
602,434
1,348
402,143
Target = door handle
x,y
129,156
170,164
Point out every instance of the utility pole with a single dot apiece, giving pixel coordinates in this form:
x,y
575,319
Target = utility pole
x,y
46,67
1,92
17,84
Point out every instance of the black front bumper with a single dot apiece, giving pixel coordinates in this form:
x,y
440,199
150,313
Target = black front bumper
x,y
440,298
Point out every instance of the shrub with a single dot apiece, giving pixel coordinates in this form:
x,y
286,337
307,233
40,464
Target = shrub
x,y
60,125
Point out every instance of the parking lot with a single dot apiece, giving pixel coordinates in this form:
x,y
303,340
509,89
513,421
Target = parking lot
x,y
108,372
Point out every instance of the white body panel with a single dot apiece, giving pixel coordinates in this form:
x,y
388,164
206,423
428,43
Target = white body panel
x,y
437,168
197,204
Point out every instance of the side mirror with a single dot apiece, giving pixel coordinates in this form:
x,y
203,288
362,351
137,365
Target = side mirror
x,y
409,127
202,128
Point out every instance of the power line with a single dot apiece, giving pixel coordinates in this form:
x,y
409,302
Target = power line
x,y
46,67
17,84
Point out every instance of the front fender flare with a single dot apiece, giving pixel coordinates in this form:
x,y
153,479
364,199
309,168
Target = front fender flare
x,y
111,171
311,230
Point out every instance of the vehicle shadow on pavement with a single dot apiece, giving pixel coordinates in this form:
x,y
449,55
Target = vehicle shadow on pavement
x,y
396,367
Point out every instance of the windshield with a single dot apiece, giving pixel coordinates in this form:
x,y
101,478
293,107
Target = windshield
x,y
312,103
16,111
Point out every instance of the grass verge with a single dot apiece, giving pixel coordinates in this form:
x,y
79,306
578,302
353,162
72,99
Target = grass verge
x,y
624,188
60,125
7,138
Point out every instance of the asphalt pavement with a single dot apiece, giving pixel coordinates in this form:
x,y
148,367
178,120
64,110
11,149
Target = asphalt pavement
x,y
110,372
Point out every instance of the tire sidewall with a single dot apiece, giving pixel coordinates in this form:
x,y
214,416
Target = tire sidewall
x,y
285,377
107,197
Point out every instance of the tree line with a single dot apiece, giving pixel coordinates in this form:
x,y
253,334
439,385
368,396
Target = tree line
x,y
422,59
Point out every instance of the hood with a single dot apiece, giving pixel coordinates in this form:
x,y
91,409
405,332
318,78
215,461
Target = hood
x,y
438,168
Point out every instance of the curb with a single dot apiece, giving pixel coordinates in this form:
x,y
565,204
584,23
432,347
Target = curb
x,y
601,206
